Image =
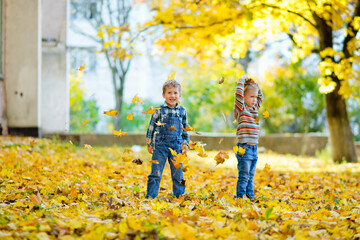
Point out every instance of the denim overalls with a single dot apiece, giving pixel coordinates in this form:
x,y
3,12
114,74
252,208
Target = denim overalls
x,y
166,138
246,170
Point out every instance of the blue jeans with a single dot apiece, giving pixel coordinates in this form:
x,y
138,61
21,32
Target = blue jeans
x,y
246,170
162,153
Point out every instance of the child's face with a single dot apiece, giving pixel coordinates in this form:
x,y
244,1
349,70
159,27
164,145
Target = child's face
x,y
171,95
251,97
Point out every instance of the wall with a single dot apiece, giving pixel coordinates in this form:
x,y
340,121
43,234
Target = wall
x,y
296,144
22,63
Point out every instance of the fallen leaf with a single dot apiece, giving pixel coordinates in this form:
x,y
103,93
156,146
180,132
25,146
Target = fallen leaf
x,y
111,113
36,198
126,158
32,143
128,150
129,116
87,146
137,161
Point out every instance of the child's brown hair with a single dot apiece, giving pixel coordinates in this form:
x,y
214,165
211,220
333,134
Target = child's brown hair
x,y
172,83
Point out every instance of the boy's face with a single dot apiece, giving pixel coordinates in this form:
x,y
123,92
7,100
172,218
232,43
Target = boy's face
x,y
171,95
251,97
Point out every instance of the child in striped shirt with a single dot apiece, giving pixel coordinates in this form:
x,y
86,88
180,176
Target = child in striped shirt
x,y
248,99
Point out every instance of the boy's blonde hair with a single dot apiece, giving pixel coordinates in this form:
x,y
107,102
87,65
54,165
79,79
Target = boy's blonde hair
x,y
172,83
250,85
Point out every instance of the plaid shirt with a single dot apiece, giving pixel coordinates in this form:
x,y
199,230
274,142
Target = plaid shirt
x,y
170,112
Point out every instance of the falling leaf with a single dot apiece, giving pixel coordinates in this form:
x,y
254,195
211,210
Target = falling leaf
x,y
111,113
81,68
188,128
173,152
266,114
221,80
137,161
87,146
220,141
234,121
185,168
267,167
129,116
171,75
70,142
172,128
119,133
220,157
159,123
198,133
136,99
85,122
154,161
178,160
151,110
192,144
257,119
240,150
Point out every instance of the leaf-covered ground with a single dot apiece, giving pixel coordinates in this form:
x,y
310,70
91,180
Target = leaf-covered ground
x,y
54,190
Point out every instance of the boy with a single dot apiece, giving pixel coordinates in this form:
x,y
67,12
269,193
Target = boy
x,y
248,99
166,127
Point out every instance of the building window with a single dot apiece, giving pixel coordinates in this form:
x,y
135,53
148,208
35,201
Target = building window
x,y
83,9
81,56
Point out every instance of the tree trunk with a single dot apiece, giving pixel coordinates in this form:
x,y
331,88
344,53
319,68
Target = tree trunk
x,y
341,138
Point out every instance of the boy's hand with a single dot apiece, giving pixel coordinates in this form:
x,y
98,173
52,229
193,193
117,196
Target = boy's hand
x,y
150,149
184,148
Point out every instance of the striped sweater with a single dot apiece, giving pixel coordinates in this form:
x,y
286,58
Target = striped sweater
x,y
247,117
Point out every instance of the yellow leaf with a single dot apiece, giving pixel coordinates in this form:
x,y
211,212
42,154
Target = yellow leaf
x,y
151,110
159,123
220,157
266,114
85,122
87,146
129,116
234,121
81,68
136,99
267,167
188,128
36,198
126,158
119,133
173,152
32,143
240,150
172,128
178,160
171,75
128,151
111,113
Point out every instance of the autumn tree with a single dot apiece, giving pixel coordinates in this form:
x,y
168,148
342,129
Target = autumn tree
x,y
325,28
109,23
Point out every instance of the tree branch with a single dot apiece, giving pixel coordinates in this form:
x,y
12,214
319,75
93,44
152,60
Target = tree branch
x,y
290,11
